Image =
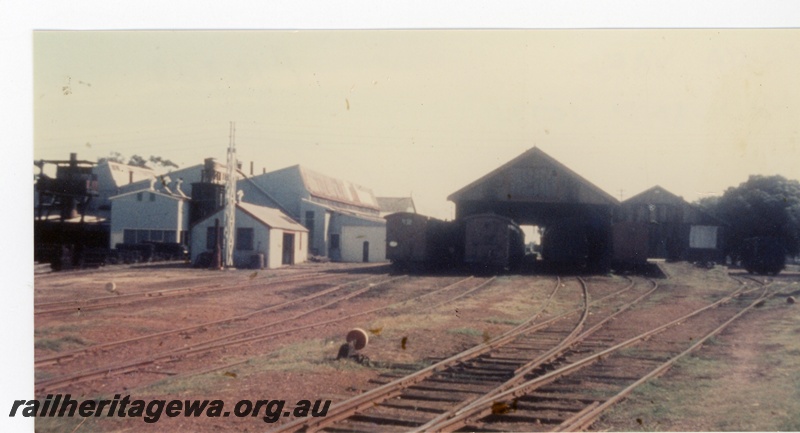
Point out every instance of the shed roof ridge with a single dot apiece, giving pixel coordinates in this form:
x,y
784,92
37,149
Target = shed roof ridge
x,y
537,152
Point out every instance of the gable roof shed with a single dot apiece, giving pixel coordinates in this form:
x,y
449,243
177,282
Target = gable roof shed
x,y
532,188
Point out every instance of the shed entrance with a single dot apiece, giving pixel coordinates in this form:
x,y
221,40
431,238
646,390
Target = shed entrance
x,y
534,189
288,249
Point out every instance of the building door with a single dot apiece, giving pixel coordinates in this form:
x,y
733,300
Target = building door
x,y
288,249
366,252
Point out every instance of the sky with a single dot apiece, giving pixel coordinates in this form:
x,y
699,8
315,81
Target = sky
x,y
425,112
402,112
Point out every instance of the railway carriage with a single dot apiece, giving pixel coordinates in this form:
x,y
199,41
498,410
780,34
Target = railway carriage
x,y
493,242
419,242
763,255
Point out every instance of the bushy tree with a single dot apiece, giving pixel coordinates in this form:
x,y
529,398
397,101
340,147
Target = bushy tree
x,y
763,206
138,161
113,157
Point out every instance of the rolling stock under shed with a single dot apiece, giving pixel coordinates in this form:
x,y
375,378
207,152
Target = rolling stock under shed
x,y
535,189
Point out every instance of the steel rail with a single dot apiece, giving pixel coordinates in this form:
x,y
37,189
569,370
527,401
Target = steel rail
x,y
586,418
203,346
221,342
348,407
132,298
519,374
483,406
71,354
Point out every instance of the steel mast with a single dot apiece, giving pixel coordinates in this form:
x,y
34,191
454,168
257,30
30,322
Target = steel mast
x,y
230,201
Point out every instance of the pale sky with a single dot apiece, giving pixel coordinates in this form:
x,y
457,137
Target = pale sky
x,y
425,112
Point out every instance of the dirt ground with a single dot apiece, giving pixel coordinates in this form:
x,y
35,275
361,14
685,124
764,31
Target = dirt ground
x,y
746,379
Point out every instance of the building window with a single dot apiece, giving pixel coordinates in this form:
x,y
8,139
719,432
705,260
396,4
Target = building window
x,y
157,235
142,236
152,196
169,236
139,196
211,238
310,226
334,242
244,239
129,236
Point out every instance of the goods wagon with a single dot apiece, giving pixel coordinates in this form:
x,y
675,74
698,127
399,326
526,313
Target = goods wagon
x,y
630,243
419,242
763,255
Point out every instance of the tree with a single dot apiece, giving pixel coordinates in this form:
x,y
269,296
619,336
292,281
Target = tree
x,y
162,162
138,161
112,157
766,206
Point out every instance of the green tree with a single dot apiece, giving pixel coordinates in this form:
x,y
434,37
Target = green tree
x,y
137,161
112,157
763,206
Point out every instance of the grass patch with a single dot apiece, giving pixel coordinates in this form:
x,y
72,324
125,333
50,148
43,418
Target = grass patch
x,y
737,384
466,331
502,321
57,344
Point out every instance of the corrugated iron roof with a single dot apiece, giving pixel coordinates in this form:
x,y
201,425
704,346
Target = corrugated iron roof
x,y
329,188
355,214
120,173
271,217
396,204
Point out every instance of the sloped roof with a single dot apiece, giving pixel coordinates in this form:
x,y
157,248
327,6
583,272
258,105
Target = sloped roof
x,y
396,204
659,195
329,188
154,191
656,195
271,217
347,212
534,177
120,173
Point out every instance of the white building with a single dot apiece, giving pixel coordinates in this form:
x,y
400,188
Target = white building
x,y
259,231
113,179
342,218
149,215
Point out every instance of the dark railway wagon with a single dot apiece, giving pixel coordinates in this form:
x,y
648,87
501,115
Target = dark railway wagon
x,y
493,242
419,242
763,255
630,243
578,244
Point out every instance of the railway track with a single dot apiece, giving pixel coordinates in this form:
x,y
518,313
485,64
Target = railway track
x,y
204,326
124,300
415,400
573,390
252,334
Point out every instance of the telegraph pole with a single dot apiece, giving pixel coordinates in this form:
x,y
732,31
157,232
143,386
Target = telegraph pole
x,y
230,200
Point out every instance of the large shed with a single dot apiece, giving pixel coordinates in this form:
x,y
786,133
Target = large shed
x,y
534,189
342,218
677,230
